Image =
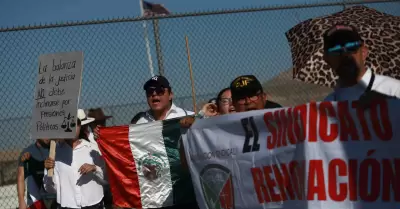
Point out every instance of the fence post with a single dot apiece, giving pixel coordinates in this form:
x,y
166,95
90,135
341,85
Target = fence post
x,y
2,179
160,60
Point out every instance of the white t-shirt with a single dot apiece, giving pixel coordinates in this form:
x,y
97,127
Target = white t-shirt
x,y
34,191
174,112
382,84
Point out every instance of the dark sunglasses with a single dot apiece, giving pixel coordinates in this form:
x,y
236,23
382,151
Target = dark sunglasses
x,y
158,91
350,47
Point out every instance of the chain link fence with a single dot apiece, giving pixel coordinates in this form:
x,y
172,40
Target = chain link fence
x,y
223,44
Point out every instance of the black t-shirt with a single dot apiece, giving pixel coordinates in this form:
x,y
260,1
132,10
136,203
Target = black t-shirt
x,y
34,168
271,105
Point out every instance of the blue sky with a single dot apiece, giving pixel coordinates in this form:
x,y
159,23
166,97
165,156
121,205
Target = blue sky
x,y
115,63
30,12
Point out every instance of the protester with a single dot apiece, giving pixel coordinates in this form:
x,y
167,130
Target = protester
x,y
224,102
248,94
159,98
346,53
99,121
31,168
78,172
218,106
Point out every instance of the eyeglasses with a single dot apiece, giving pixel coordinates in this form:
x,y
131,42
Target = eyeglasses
x,y
253,98
158,91
226,100
350,47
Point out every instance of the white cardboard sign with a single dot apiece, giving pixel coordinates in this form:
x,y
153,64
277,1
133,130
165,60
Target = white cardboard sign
x,y
56,96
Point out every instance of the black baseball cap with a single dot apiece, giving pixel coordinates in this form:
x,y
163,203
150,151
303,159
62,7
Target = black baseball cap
x,y
157,81
245,86
340,35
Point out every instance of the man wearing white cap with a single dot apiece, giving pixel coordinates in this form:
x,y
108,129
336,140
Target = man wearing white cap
x,y
78,171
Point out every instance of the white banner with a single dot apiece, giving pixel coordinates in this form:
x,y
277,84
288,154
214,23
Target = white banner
x,y
57,95
313,156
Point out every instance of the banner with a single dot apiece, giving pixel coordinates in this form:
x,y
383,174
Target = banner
x,y
312,156
57,93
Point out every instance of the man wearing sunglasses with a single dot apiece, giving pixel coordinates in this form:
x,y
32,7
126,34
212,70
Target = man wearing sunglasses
x,y
159,98
248,94
345,52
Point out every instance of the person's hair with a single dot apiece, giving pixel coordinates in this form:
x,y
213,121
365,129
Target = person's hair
x,y
220,95
82,134
222,92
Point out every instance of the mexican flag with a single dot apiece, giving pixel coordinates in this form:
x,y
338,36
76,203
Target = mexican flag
x,y
143,165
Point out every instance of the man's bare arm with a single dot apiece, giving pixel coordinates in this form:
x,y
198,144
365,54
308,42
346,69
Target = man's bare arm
x,y
21,187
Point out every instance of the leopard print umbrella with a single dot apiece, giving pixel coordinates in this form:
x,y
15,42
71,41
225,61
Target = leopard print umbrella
x,y
380,32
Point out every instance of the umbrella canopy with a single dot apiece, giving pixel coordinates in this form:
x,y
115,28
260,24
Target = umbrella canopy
x,y
380,32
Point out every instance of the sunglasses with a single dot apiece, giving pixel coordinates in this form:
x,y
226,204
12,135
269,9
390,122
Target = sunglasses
x,y
350,47
158,91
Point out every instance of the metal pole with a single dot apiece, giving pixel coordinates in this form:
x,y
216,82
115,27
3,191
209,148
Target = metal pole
x,y
158,47
146,39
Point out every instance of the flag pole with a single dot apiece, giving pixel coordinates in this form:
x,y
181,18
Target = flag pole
x,y
191,74
146,38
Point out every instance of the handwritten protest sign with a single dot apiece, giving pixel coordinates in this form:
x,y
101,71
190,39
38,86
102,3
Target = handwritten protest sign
x,y
322,155
57,95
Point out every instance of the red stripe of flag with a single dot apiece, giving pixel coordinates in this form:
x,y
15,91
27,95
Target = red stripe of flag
x,y
38,205
121,169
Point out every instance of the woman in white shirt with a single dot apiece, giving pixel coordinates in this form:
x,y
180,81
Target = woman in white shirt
x,y
78,172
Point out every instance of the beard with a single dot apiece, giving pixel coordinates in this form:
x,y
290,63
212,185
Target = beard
x,y
348,69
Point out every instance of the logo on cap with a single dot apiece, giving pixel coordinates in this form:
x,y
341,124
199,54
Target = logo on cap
x,y
242,82
155,78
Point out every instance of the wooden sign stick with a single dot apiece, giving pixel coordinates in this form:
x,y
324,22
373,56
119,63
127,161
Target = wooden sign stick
x,y
191,74
52,155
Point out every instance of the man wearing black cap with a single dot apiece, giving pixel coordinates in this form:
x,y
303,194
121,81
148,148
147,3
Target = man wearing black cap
x,y
248,94
159,97
345,52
